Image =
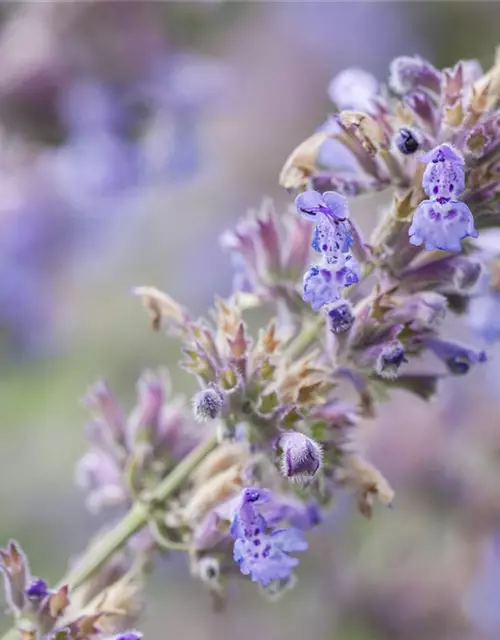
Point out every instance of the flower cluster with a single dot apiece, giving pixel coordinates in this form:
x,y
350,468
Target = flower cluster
x,y
281,409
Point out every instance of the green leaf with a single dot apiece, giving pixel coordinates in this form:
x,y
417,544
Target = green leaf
x,y
268,403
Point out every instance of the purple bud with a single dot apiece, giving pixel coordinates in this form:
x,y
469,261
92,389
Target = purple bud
x,y
390,359
340,317
406,141
37,589
208,403
301,456
408,73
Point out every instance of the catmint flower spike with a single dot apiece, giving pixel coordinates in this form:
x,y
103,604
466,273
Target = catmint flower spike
x,y
301,456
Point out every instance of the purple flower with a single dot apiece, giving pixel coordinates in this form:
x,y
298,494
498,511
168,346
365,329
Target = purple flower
x,y
301,456
444,176
333,240
263,556
442,224
320,287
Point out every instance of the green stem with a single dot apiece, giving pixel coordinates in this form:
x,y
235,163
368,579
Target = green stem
x,y
136,518
305,338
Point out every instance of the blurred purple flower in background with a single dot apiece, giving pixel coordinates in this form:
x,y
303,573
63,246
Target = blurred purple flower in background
x,y
115,124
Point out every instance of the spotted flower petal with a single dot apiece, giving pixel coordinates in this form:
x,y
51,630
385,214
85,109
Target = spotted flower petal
x,y
320,287
442,225
259,553
331,239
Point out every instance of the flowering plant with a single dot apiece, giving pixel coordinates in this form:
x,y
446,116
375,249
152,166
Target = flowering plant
x,y
273,433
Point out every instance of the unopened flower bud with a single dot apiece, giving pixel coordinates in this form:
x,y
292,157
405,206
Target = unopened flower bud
x,y
37,589
208,403
340,317
456,357
301,456
390,359
406,141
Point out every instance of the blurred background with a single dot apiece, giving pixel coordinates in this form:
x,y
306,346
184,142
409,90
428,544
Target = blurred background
x,y
131,135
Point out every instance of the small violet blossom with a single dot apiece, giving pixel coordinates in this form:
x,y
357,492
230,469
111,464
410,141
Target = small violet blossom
x,y
333,239
263,555
442,221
